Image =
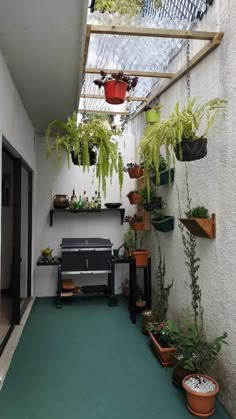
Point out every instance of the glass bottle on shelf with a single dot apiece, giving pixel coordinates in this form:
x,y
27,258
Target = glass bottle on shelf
x,y
99,204
84,199
86,204
73,200
92,203
79,203
96,200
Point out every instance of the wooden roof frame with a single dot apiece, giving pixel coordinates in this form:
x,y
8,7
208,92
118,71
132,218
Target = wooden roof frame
x,y
214,39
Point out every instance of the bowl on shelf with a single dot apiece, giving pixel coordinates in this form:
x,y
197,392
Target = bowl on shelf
x,y
113,205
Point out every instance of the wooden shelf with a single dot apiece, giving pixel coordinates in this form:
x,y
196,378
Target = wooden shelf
x,y
79,211
201,227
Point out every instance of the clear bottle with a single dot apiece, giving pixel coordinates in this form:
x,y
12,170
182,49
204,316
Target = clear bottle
x,y
99,204
73,200
92,203
86,205
79,203
96,200
84,199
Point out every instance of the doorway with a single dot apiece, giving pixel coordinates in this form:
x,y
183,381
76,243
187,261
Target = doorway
x,y
16,239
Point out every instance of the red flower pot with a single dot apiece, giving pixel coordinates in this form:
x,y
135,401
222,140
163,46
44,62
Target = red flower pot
x,y
165,355
135,172
134,198
137,225
200,404
115,91
141,257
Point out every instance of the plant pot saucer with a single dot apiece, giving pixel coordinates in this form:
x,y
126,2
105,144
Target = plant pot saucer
x,y
201,415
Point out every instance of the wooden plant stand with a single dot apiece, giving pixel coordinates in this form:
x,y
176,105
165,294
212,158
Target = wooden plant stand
x,y
201,227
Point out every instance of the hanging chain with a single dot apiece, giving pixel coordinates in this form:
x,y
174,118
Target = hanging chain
x,y
188,57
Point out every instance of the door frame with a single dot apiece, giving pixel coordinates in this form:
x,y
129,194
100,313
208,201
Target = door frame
x,y
19,163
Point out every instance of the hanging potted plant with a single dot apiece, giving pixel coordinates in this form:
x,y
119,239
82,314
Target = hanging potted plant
x,y
116,85
136,222
162,222
152,115
190,127
134,198
135,170
93,135
169,133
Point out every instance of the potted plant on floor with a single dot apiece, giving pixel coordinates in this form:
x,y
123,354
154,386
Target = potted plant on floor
x,y
196,355
162,222
116,85
93,135
135,170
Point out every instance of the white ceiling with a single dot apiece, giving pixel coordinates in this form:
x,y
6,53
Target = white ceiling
x,y
42,42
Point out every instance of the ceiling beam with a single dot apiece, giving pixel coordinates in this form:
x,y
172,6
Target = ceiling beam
x,y
128,98
156,74
105,112
152,32
195,60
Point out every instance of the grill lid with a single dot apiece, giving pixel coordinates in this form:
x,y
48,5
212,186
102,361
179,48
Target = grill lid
x,y
86,242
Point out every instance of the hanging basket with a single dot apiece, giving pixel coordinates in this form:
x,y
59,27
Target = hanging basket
x,y
152,116
115,91
92,157
135,172
190,150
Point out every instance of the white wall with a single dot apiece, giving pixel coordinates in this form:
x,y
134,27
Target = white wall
x,y
51,181
212,184
14,121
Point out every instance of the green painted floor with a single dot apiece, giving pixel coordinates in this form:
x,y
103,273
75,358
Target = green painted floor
x,y
87,361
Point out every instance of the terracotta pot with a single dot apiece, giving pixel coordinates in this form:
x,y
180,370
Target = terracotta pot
x,y
201,404
134,198
135,172
125,289
137,226
165,355
141,304
115,91
141,257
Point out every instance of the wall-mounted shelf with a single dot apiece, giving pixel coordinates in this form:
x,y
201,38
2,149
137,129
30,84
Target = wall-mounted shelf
x,y
91,211
201,227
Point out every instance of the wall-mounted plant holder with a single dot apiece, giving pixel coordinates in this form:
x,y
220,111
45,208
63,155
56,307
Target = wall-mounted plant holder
x,y
165,225
166,177
201,227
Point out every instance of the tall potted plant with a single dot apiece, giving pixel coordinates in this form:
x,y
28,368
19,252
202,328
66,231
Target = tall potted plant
x,y
91,135
116,85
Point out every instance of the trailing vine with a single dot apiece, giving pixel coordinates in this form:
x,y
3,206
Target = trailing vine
x,y
192,262
163,288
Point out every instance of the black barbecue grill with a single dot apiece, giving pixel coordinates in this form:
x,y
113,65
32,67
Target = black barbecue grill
x,y
88,256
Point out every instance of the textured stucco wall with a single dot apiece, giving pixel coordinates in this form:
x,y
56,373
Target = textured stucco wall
x,y
212,184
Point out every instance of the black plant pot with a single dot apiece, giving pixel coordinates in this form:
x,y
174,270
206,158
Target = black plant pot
x,y
165,225
166,176
92,157
190,150
154,203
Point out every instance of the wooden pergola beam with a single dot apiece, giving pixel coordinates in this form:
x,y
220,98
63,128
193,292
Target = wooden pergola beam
x,y
104,112
195,60
152,32
155,74
128,98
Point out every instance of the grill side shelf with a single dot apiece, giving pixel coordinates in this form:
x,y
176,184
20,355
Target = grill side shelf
x,y
79,211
